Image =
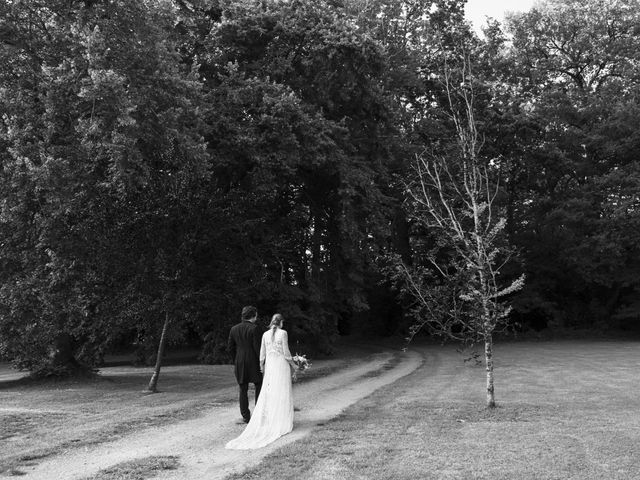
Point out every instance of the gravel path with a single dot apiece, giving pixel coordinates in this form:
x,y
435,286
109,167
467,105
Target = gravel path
x,y
199,442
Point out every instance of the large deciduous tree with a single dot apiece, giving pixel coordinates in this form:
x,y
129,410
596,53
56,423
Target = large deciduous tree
x,y
573,76
102,168
304,153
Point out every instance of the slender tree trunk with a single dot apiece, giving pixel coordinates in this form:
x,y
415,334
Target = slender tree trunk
x,y
401,236
488,358
316,244
510,227
153,383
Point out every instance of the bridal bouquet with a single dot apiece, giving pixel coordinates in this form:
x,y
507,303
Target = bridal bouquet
x,y
301,362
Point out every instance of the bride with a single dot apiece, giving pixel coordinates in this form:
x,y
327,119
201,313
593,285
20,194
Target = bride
x,y
273,414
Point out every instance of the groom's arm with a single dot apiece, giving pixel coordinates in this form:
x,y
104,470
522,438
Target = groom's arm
x,y
231,347
257,340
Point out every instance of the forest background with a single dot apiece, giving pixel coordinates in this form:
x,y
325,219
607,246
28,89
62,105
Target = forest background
x,y
167,162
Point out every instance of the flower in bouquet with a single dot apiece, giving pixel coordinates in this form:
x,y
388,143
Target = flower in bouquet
x,y
301,362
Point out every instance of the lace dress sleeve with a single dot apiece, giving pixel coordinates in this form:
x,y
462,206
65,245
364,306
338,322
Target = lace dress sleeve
x,y
263,351
285,346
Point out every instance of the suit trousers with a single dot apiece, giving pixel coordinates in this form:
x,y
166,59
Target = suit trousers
x,y
244,398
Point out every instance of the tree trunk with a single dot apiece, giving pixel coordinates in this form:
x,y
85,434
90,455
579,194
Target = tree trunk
x,y
400,237
62,361
62,354
510,227
153,383
612,303
316,247
488,358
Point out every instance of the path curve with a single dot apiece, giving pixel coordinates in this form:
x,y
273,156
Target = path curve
x,y
199,442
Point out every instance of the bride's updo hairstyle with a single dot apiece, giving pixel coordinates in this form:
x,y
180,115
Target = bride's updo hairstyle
x,y
276,321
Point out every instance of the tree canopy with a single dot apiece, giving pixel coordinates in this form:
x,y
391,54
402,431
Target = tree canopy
x,y
175,159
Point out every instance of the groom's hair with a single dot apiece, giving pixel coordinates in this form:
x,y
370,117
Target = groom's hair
x,y
249,312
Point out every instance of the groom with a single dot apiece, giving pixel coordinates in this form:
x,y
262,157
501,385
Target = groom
x,y
244,347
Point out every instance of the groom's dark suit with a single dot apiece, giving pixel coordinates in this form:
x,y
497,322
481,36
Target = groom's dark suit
x,y
244,347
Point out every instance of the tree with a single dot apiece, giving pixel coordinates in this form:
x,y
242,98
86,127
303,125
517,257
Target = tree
x,y
210,134
300,115
458,292
162,191
105,176
572,76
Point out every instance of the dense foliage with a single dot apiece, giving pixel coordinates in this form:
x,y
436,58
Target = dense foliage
x,y
178,159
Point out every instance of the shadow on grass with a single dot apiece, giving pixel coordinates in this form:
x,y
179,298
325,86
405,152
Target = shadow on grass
x,y
26,383
12,467
12,472
133,380
138,469
389,365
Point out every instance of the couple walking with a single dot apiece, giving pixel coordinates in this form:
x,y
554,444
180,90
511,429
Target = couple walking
x,y
256,354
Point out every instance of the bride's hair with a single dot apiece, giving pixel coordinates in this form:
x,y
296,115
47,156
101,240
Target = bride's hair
x,y
276,321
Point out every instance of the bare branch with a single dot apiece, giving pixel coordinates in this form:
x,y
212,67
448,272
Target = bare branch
x,y
457,196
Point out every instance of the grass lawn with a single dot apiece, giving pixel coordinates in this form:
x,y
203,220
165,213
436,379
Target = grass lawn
x,y
39,419
567,410
43,418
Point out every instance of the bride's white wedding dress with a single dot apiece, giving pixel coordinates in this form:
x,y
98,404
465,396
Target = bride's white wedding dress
x,y
273,415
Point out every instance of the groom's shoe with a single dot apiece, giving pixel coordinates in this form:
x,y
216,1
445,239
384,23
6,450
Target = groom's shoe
x,y
246,419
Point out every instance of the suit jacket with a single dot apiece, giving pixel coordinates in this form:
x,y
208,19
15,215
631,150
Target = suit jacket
x,y
244,346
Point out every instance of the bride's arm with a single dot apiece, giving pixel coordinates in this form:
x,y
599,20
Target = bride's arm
x,y
287,352
263,354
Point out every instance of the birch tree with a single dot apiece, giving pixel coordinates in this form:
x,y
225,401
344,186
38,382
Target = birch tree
x,y
457,287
